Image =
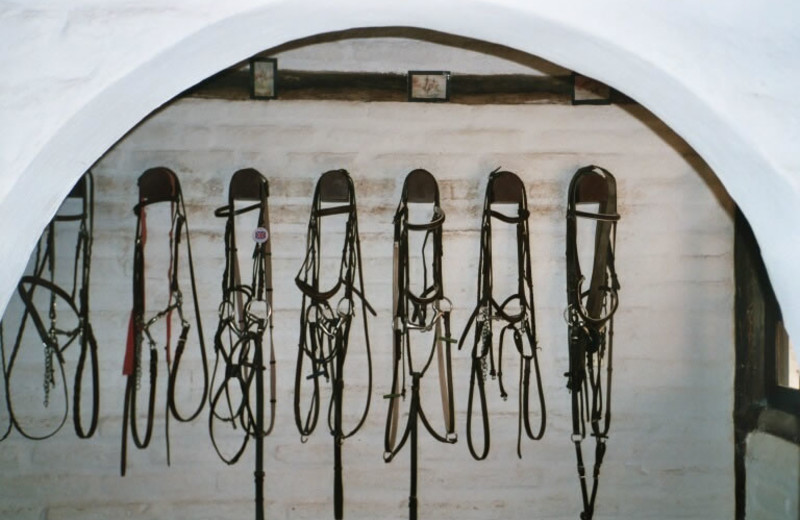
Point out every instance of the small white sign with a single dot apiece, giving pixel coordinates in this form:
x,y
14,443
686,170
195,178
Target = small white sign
x,y
260,235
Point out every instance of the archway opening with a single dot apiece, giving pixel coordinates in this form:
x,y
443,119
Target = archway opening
x,y
670,282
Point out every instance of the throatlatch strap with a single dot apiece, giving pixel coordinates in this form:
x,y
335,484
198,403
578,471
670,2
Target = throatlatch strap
x,y
505,188
325,319
426,315
590,314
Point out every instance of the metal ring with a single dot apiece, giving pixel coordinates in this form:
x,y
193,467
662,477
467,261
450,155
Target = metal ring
x,y
437,305
349,311
226,305
321,309
255,316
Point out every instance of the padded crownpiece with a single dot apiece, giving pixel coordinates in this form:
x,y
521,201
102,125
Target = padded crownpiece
x,y
420,186
334,186
594,184
157,185
506,188
248,184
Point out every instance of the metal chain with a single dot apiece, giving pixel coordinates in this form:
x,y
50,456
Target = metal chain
x,y
485,324
49,374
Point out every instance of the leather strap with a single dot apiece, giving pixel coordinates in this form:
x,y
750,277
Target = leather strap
x,y
158,185
425,315
325,320
244,319
245,315
506,188
50,331
590,316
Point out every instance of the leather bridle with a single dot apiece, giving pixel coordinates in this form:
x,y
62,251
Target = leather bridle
x,y
54,336
424,314
590,314
326,316
245,315
515,314
158,185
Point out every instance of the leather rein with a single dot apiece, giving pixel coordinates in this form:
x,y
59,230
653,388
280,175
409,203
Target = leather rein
x,y
514,314
158,185
56,338
590,316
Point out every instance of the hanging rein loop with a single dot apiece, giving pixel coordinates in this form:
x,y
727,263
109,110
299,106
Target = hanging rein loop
x,y
589,314
326,314
52,334
245,315
506,188
419,313
159,185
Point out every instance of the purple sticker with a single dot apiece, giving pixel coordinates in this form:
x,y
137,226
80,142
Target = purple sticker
x,y
260,235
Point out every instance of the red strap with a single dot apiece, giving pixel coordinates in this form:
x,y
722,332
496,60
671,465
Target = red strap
x,y
130,347
127,366
169,283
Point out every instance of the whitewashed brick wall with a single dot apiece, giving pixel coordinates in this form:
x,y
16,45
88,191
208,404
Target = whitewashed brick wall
x,y
670,451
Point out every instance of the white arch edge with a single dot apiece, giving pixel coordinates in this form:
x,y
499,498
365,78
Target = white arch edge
x,y
94,128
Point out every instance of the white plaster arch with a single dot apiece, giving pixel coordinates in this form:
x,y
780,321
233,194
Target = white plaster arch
x,y
722,74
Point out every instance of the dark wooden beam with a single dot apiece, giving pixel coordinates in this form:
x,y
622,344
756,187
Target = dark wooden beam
x,y
233,84
552,84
